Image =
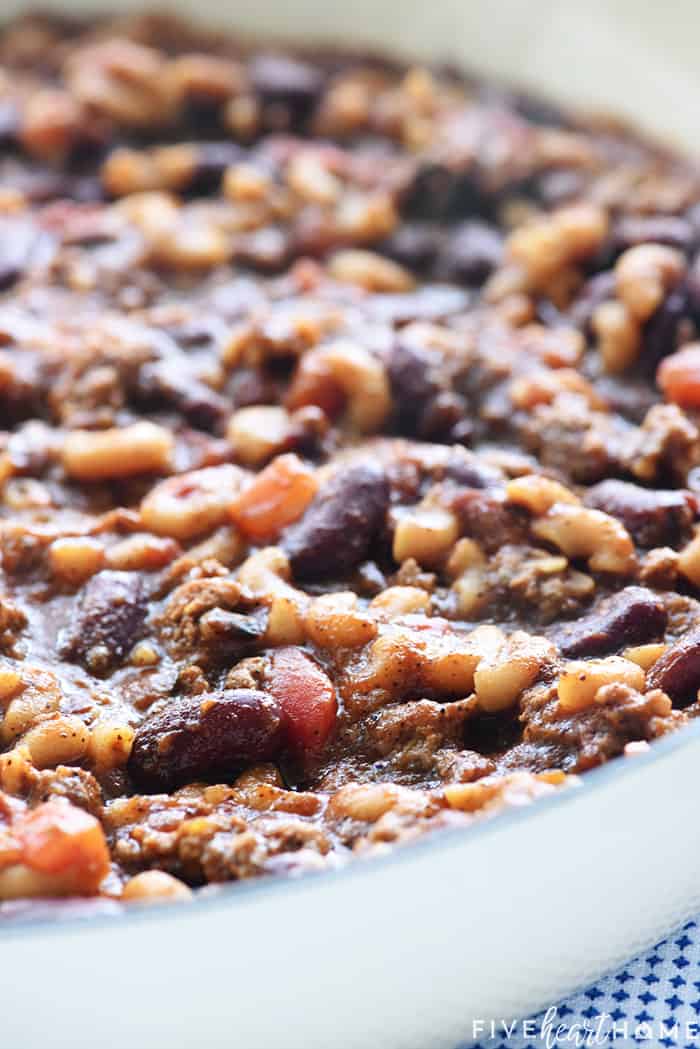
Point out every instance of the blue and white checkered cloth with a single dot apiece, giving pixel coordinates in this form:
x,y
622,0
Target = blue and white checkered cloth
x,y
653,1001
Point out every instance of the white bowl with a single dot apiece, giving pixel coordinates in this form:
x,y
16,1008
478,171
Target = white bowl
x,y
402,952
409,950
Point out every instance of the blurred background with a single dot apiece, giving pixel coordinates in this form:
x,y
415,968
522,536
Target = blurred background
x,y
638,57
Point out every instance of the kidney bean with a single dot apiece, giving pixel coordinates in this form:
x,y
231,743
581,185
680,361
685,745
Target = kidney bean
x,y
110,614
632,617
286,81
653,517
436,192
472,252
415,245
168,382
194,737
677,672
628,395
212,160
445,419
412,385
660,334
336,532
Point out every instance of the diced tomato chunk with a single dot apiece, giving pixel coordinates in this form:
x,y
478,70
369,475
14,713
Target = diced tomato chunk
x,y
678,376
56,837
278,495
307,698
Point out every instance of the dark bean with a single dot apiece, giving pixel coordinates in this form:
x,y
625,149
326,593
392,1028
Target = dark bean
x,y
195,737
661,333
632,617
171,382
279,79
336,532
473,251
629,395
428,193
412,385
436,192
415,245
212,160
653,517
677,672
444,419
108,619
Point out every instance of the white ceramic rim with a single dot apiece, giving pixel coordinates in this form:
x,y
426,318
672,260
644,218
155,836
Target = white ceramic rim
x,y
228,894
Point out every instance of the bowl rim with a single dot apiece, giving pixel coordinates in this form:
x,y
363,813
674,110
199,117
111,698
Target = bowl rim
x,y
228,894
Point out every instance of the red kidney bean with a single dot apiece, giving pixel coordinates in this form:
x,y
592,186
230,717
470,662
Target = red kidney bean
x,y
471,253
632,617
677,672
412,385
415,245
195,737
653,517
110,614
337,530
286,81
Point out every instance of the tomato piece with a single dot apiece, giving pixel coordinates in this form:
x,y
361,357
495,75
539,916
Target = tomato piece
x,y
57,837
307,698
278,495
678,376
10,848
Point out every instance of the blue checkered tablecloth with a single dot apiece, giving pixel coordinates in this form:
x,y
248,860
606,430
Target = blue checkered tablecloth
x,y
653,1001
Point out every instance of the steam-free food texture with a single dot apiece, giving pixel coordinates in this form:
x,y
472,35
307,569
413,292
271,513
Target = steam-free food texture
x,y
349,461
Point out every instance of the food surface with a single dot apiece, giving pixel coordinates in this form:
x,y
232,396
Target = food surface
x,y
349,454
